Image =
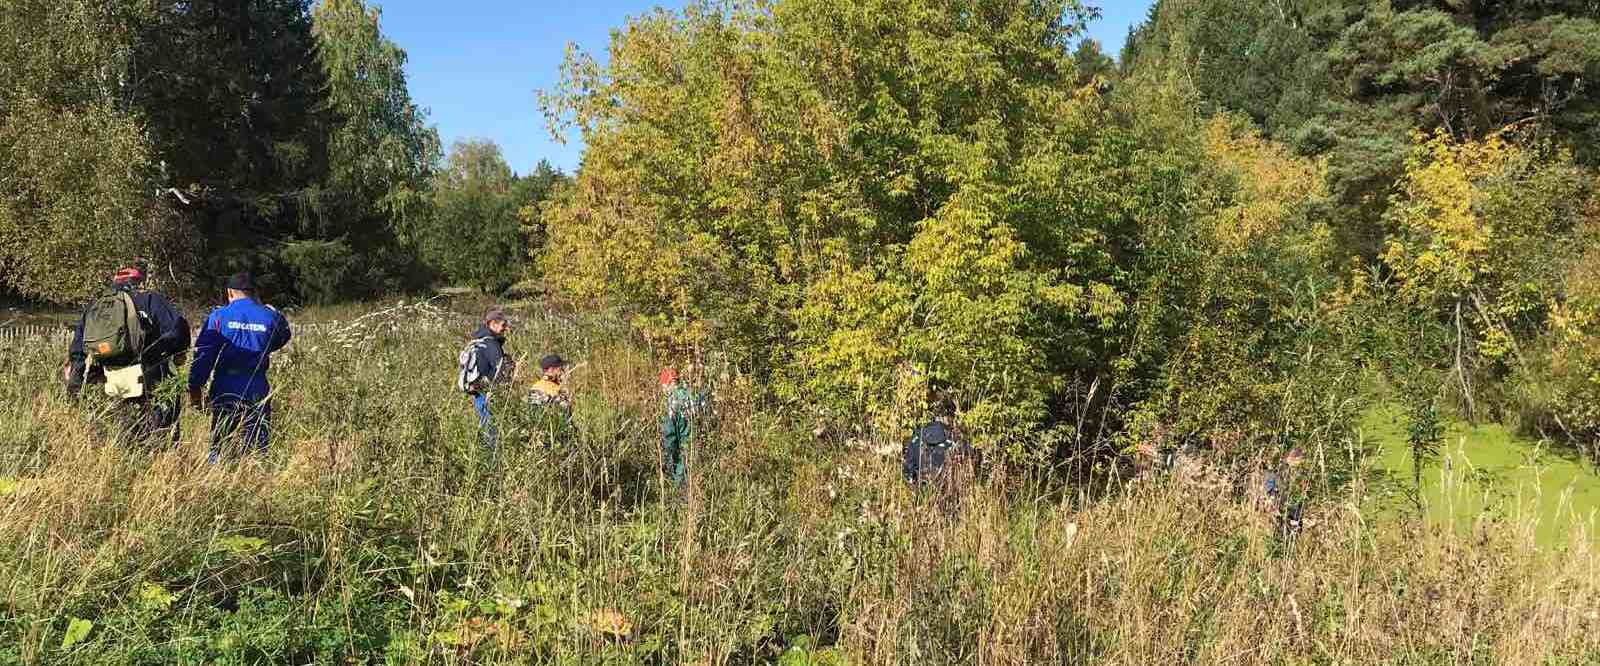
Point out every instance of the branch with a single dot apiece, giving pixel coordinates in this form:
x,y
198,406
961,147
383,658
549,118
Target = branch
x,y
1461,367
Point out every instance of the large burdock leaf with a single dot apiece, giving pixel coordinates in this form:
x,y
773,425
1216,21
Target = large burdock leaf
x,y
77,630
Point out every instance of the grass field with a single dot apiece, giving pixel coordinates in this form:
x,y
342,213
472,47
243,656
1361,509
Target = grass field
x,y
378,532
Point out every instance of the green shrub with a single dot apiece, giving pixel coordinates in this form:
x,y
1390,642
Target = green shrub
x,y
964,217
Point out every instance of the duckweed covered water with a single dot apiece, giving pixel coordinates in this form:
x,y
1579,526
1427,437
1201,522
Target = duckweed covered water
x,y
1488,472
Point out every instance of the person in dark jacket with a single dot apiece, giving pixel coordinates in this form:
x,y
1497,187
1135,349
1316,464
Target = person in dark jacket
x,y
166,342
494,367
232,355
932,448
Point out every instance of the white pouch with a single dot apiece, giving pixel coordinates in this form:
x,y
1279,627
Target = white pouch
x,y
125,382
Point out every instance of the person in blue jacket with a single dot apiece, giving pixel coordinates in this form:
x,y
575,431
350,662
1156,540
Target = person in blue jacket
x,y
166,333
231,354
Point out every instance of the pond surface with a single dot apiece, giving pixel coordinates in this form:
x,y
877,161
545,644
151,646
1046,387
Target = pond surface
x,y
1487,471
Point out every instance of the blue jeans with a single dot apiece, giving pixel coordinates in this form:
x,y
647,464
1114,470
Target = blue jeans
x,y
486,429
245,426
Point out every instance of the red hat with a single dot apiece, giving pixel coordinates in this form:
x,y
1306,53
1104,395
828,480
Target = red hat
x,y
669,376
127,275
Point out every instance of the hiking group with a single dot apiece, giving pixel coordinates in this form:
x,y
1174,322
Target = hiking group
x,y
130,340
929,459
485,368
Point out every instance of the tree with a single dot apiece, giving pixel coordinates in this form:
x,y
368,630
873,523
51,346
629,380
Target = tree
x,y
373,201
235,101
532,193
1351,79
861,202
1483,237
380,151
475,236
73,202
76,160
252,135
1090,62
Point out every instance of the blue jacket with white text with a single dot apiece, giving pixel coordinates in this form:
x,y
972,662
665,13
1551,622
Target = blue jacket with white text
x,y
232,350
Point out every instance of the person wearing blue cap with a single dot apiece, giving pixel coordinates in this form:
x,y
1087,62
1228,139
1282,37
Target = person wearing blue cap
x,y
231,354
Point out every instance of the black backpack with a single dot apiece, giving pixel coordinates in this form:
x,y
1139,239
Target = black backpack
x,y
935,445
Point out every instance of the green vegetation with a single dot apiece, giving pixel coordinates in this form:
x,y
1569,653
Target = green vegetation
x,y
484,217
209,137
377,532
1487,473
893,203
858,206
1361,235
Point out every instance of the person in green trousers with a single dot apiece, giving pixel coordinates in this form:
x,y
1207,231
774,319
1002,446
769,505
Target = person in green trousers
x,y
677,424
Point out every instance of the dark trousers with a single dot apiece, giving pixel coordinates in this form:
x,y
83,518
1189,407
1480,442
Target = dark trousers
x,y
147,421
239,427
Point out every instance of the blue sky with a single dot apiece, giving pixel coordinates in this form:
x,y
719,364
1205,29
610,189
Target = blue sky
x,y
477,64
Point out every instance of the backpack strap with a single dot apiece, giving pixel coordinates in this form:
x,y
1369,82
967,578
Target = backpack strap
x,y
135,329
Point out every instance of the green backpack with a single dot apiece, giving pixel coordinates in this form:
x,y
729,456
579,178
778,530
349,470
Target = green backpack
x,y
112,334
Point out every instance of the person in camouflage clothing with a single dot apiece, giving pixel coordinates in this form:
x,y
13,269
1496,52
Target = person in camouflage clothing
x,y
682,406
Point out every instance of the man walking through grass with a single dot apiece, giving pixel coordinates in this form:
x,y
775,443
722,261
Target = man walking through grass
x,y
129,341
232,355
484,365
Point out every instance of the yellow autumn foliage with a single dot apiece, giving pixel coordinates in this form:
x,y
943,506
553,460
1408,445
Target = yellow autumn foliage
x,y
1272,182
1442,242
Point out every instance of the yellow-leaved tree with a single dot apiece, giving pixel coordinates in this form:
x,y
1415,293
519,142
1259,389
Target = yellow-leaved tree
x,y
1482,233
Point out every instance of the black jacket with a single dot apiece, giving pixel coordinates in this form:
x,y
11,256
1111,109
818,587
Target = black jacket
x,y
166,342
491,355
930,448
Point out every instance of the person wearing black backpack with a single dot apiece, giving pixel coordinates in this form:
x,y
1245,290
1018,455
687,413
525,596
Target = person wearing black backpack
x,y
129,341
935,457
932,447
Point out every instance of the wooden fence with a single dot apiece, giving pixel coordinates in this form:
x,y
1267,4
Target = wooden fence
x,y
11,336
14,335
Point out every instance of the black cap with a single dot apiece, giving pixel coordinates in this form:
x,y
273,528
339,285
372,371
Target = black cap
x,y
551,361
242,282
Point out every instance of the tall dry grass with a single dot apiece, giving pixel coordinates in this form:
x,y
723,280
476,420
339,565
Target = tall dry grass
x,y
377,531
